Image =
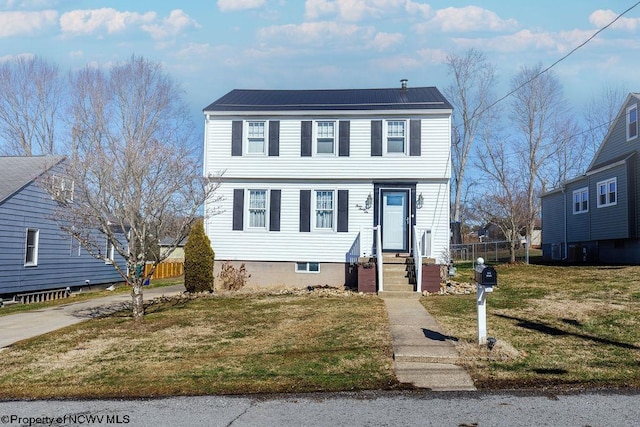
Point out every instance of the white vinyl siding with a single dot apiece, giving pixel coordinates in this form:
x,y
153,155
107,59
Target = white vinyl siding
x,y
433,164
581,201
31,247
607,192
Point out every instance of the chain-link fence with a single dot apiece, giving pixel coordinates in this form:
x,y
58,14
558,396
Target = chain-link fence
x,y
494,252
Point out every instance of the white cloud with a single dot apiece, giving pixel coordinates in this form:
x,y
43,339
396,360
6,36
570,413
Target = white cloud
x,y
469,18
527,40
89,21
310,33
600,18
7,58
235,5
383,41
171,26
423,10
25,23
352,10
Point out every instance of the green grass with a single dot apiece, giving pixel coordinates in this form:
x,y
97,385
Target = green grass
x,y
557,326
212,345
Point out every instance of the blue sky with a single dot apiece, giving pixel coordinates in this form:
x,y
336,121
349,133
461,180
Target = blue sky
x,y
213,46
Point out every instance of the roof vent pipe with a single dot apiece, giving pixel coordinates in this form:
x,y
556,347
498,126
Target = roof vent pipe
x,y
403,82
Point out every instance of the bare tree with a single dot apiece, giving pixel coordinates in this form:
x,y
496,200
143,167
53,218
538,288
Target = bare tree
x,y
504,201
31,92
540,116
132,170
470,93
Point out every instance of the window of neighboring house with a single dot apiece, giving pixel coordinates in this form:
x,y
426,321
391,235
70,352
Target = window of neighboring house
x,y
62,188
110,253
324,210
31,247
396,136
581,201
632,122
257,208
255,137
607,192
325,137
307,267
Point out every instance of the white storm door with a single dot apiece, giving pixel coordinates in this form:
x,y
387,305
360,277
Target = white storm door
x,y
394,220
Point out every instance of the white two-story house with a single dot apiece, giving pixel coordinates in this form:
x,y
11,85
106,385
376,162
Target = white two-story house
x,y
310,176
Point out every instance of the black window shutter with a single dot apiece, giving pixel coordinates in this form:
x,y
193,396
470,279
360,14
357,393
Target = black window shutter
x,y
343,138
305,210
238,209
343,211
376,137
236,138
274,138
274,210
305,139
415,128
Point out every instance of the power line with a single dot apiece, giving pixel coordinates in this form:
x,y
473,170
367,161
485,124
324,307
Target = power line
x,y
560,60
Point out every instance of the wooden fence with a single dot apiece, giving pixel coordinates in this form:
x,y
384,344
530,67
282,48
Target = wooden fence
x,y
165,270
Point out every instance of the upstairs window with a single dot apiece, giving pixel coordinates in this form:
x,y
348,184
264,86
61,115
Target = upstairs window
x,y
607,192
257,208
31,247
110,253
396,136
255,137
581,201
325,137
324,210
62,188
632,122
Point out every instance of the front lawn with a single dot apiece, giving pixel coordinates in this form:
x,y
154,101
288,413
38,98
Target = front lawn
x,y
210,345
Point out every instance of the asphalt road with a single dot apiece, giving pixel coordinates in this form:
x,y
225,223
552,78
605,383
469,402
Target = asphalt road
x,y
463,409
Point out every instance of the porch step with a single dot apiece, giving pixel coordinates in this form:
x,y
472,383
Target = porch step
x,y
399,294
397,287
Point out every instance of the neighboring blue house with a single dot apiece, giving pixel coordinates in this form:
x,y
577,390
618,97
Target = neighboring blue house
x,y
36,255
594,217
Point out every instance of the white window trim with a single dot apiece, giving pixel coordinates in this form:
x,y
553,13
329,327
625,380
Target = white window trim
x,y
36,246
385,137
110,253
579,192
606,183
245,142
314,209
628,122
247,213
316,136
307,269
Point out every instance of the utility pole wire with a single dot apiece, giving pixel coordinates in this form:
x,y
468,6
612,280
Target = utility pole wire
x,y
561,59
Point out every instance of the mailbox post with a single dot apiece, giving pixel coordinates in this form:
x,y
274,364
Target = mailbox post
x,y
486,277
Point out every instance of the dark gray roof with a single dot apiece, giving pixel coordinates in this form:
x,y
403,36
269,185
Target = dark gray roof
x,y
337,99
17,172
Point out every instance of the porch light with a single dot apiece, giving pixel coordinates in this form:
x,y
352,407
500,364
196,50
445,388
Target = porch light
x,y
368,202
420,201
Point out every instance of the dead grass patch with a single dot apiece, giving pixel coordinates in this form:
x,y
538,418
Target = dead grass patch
x,y
210,345
567,326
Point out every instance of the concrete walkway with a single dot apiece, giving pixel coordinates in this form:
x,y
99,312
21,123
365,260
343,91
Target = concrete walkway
x,y
20,326
423,355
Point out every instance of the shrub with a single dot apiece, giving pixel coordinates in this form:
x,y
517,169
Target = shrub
x,y
198,261
231,278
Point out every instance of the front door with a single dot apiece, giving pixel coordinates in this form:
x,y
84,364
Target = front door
x,y
395,220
